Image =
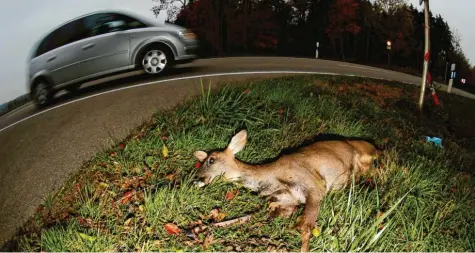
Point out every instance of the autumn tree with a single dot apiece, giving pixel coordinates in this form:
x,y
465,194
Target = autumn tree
x,y
342,21
232,26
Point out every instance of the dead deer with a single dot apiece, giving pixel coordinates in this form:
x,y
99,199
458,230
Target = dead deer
x,y
304,176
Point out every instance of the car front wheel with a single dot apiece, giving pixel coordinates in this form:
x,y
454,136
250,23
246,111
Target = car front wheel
x,y
155,61
42,94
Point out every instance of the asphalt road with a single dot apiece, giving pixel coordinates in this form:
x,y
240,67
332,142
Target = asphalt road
x,y
39,150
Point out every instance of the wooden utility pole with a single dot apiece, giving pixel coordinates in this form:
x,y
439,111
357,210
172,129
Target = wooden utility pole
x,y
426,52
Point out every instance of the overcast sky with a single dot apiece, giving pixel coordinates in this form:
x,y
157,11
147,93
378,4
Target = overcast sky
x,y
25,21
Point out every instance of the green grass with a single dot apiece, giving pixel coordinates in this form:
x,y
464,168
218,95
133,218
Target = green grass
x,y
420,199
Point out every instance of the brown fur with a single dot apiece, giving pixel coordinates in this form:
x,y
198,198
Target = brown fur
x,y
304,176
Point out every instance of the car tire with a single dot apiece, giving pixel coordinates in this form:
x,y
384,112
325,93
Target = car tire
x,y
156,60
42,94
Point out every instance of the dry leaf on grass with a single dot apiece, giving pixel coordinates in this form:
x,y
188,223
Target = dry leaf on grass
x,y
231,194
172,229
216,215
164,151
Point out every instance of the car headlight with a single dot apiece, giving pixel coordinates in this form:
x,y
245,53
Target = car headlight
x,y
187,34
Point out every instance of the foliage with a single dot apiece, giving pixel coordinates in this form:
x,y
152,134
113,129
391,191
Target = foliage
x,y
342,19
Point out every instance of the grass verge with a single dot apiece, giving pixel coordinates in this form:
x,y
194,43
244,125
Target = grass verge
x,y
131,197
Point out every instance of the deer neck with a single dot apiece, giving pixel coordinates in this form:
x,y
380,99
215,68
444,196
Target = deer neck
x,y
256,177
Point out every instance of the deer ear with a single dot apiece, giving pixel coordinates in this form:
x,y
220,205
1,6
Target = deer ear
x,y
238,142
200,155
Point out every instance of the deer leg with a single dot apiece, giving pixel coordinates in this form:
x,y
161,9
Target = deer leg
x,y
309,218
283,204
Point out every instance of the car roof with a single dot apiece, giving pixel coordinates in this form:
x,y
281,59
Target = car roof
x,y
126,13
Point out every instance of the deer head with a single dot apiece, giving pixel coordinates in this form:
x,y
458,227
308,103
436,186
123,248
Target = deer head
x,y
222,163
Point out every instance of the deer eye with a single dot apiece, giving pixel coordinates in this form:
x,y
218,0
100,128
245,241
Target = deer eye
x,y
211,160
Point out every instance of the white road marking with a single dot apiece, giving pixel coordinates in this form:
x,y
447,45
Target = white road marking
x,y
185,78
367,68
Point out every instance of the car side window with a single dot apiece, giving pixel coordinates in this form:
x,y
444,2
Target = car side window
x,y
66,34
131,23
103,23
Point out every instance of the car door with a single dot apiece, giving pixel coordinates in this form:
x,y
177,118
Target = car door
x,y
108,47
63,52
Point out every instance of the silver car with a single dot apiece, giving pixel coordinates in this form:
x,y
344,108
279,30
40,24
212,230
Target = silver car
x,y
102,43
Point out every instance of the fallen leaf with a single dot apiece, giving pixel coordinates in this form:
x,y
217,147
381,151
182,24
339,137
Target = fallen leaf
x,y
121,146
103,185
112,154
216,215
197,165
142,208
82,221
172,229
77,187
170,177
231,195
208,240
87,237
164,138
127,197
246,91
164,151
199,229
196,223
127,222
316,232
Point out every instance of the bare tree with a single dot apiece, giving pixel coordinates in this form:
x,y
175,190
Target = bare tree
x,y
172,7
390,6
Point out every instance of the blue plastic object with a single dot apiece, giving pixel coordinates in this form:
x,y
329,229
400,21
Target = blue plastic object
x,y
436,140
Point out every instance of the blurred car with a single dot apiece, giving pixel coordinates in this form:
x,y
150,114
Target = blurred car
x,y
102,43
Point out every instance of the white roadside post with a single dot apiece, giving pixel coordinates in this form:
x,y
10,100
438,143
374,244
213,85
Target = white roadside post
x,y
316,52
426,51
452,76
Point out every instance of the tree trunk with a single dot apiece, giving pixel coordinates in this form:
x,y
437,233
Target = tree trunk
x,y
341,47
368,39
219,19
334,47
246,9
